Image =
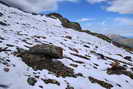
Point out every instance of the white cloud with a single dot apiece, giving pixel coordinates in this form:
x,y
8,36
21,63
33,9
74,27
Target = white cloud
x,y
34,5
122,26
124,21
84,20
69,0
96,1
121,6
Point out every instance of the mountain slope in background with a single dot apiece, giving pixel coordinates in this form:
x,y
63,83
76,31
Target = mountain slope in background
x,y
116,37
122,40
93,63
127,42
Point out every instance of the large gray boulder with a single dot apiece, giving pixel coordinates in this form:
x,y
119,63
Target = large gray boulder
x,y
50,51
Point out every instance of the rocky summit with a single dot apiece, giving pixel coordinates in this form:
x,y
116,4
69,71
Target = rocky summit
x,y
51,52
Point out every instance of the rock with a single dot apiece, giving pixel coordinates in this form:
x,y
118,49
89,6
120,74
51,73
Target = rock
x,y
3,23
1,38
120,71
78,55
100,56
128,58
74,49
68,37
69,87
100,82
116,66
41,86
74,65
3,86
65,22
40,57
73,25
31,81
4,49
52,81
39,62
54,15
6,69
9,45
1,14
47,50
32,59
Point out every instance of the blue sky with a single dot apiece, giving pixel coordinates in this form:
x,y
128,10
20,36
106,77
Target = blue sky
x,y
95,16
102,16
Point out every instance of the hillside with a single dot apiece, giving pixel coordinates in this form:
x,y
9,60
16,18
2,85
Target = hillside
x,y
37,52
127,42
116,37
121,40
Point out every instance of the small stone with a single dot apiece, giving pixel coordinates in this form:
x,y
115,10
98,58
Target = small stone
x,y
74,65
40,86
3,23
6,69
1,14
68,37
31,81
37,77
47,81
128,58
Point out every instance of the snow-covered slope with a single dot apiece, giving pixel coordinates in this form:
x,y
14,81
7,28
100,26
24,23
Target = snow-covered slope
x,y
23,30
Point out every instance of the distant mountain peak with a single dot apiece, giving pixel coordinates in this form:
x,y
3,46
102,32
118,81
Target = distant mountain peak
x,y
115,37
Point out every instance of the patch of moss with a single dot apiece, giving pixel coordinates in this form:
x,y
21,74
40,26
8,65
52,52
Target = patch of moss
x,y
100,82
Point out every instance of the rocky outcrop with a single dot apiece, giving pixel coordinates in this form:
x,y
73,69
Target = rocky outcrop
x,y
65,22
41,57
40,53
47,50
117,69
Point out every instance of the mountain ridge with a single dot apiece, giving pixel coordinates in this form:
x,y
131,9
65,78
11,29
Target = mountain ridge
x,y
92,59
